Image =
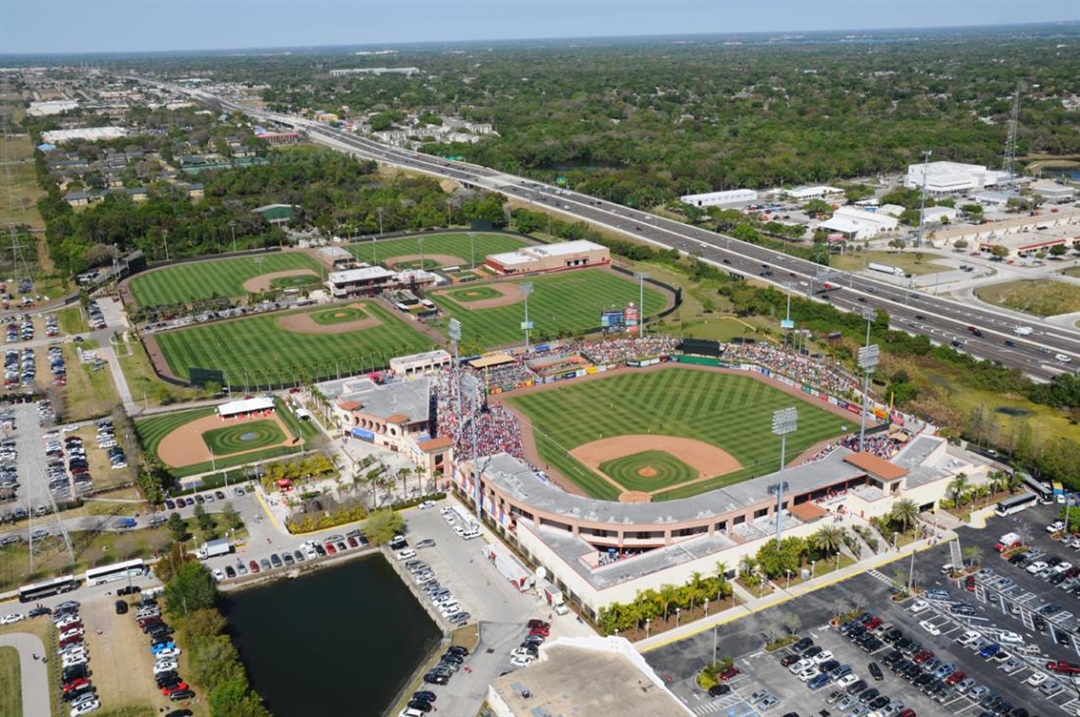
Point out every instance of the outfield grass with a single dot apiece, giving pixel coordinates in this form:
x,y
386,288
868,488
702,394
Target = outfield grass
x,y
561,304
475,293
1042,298
625,470
182,283
730,411
451,243
256,351
244,436
151,430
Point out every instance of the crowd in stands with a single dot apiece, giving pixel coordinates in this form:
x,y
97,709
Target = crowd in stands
x,y
508,374
496,429
794,366
610,352
880,445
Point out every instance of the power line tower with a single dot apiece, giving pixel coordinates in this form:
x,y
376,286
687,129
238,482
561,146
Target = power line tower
x,y
19,266
57,540
1009,164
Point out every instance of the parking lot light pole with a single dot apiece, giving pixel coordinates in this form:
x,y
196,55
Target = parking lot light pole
x,y
784,422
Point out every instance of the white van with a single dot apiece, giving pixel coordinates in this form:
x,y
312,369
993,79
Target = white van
x,y
1063,358
1010,638
406,554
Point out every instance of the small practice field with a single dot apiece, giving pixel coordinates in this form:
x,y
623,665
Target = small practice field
x,y
1042,298
442,249
561,304
285,348
666,433
198,440
912,261
183,283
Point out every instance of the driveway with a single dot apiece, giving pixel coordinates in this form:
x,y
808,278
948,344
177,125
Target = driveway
x,y
35,675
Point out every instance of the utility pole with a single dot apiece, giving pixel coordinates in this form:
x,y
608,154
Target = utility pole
x,y
922,197
232,226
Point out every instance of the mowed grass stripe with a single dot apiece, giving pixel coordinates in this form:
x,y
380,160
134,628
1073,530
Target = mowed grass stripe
x,y
183,283
256,350
151,430
567,303
730,411
451,243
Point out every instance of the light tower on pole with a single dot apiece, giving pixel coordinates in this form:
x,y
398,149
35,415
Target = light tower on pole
x,y
868,357
922,196
526,325
455,339
784,422
642,276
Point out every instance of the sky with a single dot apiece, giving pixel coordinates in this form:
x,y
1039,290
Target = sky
x,y
81,26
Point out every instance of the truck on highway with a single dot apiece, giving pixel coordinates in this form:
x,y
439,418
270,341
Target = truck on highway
x,y
213,548
1022,330
885,269
554,598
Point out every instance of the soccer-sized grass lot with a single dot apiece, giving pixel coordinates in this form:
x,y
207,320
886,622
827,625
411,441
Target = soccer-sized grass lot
x,y
256,351
450,243
726,410
667,470
182,283
569,303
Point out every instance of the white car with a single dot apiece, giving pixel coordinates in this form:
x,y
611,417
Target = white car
x,y
1055,526
85,708
12,618
407,554
919,605
823,656
470,534
165,666
1062,567
426,504
67,634
173,652
930,627
800,666
848,679
218,575
1037,679
807,674
522,661
1036,567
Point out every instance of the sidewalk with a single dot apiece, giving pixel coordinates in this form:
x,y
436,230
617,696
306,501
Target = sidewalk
x,y
780,596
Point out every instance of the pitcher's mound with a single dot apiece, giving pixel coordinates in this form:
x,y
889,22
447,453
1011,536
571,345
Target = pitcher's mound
x,y
634,496
647,472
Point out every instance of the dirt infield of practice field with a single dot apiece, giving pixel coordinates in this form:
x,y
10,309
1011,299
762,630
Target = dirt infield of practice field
x,y
509,294
262,282
431,261
706,459
185,446
304,324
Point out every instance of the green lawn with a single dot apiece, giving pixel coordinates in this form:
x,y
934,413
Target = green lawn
x,y
912,262
669,470
337,315
730,411
182,283
1042,298
151,430
561,304
474,293
10,683
451,244
256,351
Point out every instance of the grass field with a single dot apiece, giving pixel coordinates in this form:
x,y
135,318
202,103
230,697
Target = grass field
x,y
10,682
729,411
241,437
18,200
182,283
152,430
452,244
1073,271
668,470
300,281
474,293
1042,298
565,304
338,315
256,351
909,261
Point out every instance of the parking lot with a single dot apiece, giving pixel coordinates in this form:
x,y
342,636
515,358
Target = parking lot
x,y
934,627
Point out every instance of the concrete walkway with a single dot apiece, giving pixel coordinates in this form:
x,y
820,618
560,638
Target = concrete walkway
x,y
780,596
35,673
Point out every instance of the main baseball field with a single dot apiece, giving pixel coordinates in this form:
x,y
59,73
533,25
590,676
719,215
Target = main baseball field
x,y
667,432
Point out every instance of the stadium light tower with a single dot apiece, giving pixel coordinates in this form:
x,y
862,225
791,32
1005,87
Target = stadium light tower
x,y
526,325
868,358
642,276
783,422
455,339
922,196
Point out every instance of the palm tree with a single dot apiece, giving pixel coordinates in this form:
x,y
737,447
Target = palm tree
x,y
828,539
403,474
668,595
904,512
973,555
957,486
747,564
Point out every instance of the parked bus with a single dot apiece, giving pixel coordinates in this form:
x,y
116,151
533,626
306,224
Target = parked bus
x,y
1016,503
37,591
1044,491
119,571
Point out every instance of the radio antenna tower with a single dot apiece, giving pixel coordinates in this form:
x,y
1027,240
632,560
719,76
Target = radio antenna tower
x,y
1009,166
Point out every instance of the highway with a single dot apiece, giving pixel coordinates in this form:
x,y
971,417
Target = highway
x,y
942,319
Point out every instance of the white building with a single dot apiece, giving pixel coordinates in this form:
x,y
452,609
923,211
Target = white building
x,y
952,177
939,214
1053,192
729,198
91,134
818,192
859,224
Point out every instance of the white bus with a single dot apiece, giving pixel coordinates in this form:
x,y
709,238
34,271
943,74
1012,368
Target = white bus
x,y
33,593
1016,503
119,571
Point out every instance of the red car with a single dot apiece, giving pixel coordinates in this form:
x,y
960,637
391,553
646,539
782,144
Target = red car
x,y
536,622
70,641
955,677
173,688
728,673
253,566
922,656
873,623
969,583
1063,667
330,549
76,684
352,542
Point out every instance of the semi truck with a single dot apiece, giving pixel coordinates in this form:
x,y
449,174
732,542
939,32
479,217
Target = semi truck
x,y
213,548
554,598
